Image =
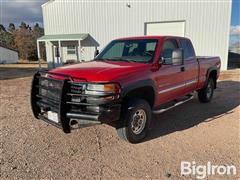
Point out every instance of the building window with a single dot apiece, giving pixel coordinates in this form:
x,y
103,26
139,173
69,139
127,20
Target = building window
x,y
71,49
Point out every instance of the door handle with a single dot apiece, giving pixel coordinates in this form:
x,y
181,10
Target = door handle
x,y
182,69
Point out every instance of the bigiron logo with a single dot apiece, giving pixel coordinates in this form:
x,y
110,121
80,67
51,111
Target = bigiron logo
x,y
202,171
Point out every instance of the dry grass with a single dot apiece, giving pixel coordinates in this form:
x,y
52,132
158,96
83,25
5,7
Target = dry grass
x,y
23,65
12,71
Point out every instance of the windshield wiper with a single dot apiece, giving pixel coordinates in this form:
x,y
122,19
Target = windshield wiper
x,y
100,59
122,60
126,60
115,59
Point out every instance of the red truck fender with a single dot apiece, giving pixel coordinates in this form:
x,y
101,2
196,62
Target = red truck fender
x,y
212,72
145,89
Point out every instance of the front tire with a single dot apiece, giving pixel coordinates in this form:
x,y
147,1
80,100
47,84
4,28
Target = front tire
x,y
205,94
134,121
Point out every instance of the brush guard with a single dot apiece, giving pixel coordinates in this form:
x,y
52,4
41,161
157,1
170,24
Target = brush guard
x,y
56,94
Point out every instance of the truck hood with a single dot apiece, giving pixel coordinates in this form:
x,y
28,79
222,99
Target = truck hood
x,y
101,71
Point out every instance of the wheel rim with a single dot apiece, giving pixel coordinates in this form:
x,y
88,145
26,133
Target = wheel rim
x,y
138,121
209,90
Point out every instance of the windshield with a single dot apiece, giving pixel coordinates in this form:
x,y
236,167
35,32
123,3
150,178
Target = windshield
x,y
139,50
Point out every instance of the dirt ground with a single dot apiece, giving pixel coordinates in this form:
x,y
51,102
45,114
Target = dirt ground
x,y
32,149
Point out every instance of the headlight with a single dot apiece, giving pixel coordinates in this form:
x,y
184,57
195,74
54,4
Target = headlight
x,y
111,88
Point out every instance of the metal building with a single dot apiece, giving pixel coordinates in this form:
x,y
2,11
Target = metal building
x,y
76,28
7,55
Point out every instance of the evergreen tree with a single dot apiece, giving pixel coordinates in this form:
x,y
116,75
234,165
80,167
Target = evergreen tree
x,y
2,28
38,32
23,25
11,27
6,38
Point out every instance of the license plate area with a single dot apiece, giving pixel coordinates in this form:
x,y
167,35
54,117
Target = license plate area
x,y
53,116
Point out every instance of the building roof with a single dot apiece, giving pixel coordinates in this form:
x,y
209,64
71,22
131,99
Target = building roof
x,y
50,1
4,46
57,37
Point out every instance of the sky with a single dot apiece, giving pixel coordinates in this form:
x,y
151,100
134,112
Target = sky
x,y
235,25
30,11
16,11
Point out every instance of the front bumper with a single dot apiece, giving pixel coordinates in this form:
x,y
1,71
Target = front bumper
x,y
66,98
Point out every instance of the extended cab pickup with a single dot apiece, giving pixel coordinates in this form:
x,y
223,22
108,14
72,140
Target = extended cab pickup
x,y
124,84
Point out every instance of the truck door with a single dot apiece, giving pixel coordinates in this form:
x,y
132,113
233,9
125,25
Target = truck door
x,y
190,65
170,78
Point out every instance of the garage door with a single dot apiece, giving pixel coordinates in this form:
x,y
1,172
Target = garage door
x,y
165,28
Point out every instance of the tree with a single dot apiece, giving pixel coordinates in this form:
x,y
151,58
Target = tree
x,y
23,25
24,42
38,32
6,38
23,39
2,28
2,34
11,27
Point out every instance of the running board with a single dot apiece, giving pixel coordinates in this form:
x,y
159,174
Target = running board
x,y
161,110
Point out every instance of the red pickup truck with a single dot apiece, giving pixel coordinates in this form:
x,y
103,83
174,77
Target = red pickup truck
x,y
125,83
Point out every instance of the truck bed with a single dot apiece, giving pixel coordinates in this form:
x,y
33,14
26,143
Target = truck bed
x,y
207,57
205,62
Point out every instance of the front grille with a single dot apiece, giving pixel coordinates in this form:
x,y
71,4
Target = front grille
x,y
77,88
77,93
49,92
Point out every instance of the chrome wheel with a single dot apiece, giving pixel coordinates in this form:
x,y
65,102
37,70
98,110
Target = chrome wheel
x,y
139,121
209,90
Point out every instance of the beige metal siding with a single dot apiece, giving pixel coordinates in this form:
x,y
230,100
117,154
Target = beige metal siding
x,y
207,22
166,28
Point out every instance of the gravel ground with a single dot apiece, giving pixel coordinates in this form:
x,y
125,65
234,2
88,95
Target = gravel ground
x,y
32,149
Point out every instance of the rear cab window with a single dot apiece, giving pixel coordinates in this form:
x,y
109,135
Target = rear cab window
x,y
188,50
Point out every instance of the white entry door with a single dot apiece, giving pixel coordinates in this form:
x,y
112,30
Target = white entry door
x,y
171,28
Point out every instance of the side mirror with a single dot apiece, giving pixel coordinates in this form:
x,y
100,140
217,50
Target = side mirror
x,y
166,61
177,57
96,52
161,61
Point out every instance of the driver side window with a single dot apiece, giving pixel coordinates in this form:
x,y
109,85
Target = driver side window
x,y
168,47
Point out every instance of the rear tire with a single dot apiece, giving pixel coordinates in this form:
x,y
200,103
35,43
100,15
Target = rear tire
x,y
134,121
205,94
